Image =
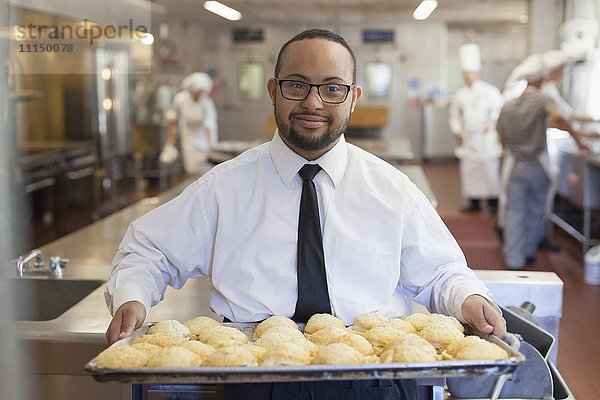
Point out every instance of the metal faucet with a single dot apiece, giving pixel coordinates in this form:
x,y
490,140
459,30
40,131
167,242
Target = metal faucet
x,y
55,269
23,261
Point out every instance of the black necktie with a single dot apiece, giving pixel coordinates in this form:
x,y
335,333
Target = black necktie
x,y
313,296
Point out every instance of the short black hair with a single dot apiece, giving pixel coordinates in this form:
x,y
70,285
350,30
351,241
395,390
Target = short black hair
x,y
317,34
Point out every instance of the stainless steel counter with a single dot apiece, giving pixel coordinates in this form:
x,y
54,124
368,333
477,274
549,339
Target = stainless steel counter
x,y
578,177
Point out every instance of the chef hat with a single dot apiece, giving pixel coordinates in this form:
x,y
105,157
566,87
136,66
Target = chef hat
x,y
554,59
531,69
197,81
470,57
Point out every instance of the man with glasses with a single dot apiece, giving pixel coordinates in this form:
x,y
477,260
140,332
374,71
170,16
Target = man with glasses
x,y
249,224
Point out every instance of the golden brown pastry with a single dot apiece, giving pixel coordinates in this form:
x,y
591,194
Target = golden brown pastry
x,y
417,320
232,356
174,357
198,324
170,327
160,339
380,336
285,354
357,342
275,320
202,350
474,348
330,335
320,321
222,336
440,335
277,335
410,339
338,354
409,354
257,351
411,348
368,321
120,357
445,320
147,348
400,324
327,335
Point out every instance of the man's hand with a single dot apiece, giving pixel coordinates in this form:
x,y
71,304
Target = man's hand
x,y
459,139
481,315
129,317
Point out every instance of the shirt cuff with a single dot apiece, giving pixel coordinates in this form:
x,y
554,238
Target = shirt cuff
x,y
460,299
131,292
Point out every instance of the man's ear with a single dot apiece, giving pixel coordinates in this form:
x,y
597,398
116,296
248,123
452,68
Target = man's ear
x,y
272,88
356,93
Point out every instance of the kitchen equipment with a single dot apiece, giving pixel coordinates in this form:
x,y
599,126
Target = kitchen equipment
x,y
531,380
591,268
309,372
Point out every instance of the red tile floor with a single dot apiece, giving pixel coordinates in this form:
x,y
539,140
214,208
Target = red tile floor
x,y
579,344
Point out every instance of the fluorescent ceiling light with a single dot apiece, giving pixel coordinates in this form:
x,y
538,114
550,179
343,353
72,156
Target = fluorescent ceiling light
x,y
424,10
223,10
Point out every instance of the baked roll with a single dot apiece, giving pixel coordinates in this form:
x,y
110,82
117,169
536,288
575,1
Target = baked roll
x,y
170,327
160,339
338,354
222,336
474,348
174,357
320,321
273,321
198,324
232,356
285,354
120,357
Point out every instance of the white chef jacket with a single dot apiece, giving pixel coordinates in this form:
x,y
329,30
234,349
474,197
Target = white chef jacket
x,y
470,111
238,224
194,117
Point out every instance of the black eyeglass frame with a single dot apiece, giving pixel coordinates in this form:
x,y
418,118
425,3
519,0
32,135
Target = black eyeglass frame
x,y
318,86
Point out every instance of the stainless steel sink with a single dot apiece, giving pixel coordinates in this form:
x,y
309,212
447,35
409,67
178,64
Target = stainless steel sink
x,y
45,299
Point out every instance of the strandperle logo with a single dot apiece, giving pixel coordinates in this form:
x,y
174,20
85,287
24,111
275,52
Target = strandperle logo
x,y
86,30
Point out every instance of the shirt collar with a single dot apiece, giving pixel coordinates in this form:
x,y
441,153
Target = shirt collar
x,y
288,163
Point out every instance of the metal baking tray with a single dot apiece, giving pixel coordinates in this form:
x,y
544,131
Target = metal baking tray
x,y
439,369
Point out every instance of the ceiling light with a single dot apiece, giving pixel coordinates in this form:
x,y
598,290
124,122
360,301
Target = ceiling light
x,y
222,10
424,10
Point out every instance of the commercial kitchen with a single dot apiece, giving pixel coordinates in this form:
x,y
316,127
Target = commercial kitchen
x,y
87,101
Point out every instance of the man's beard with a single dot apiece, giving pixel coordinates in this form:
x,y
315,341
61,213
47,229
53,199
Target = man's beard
x,y
310,142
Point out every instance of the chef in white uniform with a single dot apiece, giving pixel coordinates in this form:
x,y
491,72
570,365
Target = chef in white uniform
x,y
473,114
194,112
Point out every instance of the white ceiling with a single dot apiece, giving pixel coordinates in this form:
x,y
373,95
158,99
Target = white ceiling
x,y
350,11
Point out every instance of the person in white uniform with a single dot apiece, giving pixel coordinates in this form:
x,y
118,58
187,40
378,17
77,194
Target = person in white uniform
x,y
473,114
194,112
383,243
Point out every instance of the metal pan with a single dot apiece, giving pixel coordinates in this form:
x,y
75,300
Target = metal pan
x,y
439,369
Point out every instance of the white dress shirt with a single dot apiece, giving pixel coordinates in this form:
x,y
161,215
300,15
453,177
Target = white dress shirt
x,y
238,224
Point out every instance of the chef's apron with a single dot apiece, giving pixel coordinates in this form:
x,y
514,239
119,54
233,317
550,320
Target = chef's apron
x,y
194,144
480,165
378,389
508,163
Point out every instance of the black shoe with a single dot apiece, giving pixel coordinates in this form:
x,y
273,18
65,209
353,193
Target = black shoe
x,y
529,260
547,245
493,206
499,232
472,207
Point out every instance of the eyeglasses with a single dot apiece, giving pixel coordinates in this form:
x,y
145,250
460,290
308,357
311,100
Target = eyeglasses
x,y
332,93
